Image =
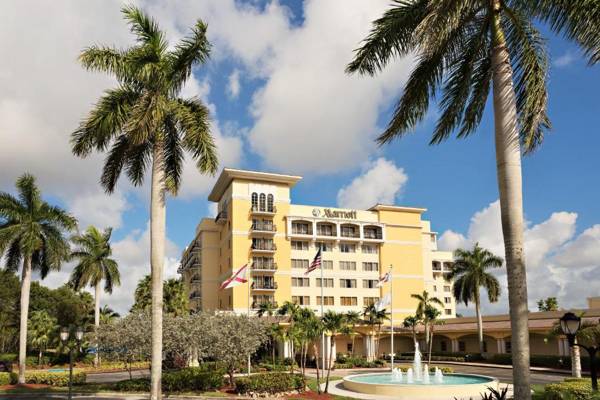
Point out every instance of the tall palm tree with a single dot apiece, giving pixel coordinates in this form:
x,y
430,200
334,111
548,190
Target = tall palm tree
x,y
470,273
32,233
411,322
144,122
333,323
41,332
353,318
94,265
462,48
108,315
424,301
267,309
375,317
430,318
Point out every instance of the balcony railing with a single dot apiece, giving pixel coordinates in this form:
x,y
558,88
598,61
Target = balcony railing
x,y
326,233
264,247
257,304
264,266
221,217
301,232
264,285
373,235
350,234
263,210
195,295
264,227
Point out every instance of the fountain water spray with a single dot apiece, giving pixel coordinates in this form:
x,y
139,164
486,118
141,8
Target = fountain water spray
x,y
425,374
409,376
417,363
396,375
439,376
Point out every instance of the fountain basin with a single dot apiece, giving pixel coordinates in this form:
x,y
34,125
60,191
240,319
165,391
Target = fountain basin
x,y
454,385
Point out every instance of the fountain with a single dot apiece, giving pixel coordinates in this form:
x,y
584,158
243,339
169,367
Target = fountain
x,y
420,383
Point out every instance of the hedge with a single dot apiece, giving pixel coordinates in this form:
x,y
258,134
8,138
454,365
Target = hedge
x,y
187,379
271,383
49,378
5,378
562,362
573,389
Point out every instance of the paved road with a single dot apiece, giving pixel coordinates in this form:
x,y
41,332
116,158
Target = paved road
x,y
116,376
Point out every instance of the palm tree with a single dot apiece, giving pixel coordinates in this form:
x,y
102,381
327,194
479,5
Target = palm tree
x,y
145,123
175,299
463,48
108,315
470,273
333,323
267,309
94,265
353,318
430,318
411,322
32,233
424,301
42,328
374,316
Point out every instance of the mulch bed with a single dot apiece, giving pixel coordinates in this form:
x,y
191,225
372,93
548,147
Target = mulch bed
x,y
24,386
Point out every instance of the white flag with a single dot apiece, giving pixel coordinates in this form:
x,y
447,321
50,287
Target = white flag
x,y
384,302
384,279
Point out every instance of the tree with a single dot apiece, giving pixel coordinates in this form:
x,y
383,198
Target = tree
x,y
375,316
41,331
108,315
32,233
175,299
9,310
94,265
309,329
470,273
411,322
353,319
424,301
462,49
333,323
144,122
548,304
267,309
430,318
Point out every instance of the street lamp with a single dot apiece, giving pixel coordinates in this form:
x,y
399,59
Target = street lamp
x,y
570,324
64,337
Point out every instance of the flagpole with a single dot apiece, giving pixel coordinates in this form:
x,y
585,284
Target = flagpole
x,y
323,332
392,311
249,300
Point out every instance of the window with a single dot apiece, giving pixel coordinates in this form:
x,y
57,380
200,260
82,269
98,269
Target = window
x,y
263,244
299,245
325,230
262,206
370,283
301,228
349,347
448,311
255,201
434,288
327,300
263,263
348,301
348,265
347,283
446,288
484,346
367,301
370,266
347,248
324,246
328,282
447,300
369,249
301,300
300,282
270,206
327,264
349,231
372,233
507,345
300,264
462,346
444,345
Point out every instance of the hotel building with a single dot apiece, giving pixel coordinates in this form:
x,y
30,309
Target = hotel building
x,y
257,222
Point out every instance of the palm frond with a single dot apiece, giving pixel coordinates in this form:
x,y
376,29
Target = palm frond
x,y
173,156
113,164
189,51
145,28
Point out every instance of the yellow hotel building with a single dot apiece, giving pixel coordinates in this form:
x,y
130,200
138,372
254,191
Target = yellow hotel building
x,y
257,221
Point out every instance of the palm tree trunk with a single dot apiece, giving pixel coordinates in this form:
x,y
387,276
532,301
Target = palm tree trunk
x,y
508,160
479,323
316,351
575,361
25,287
157,256
329,363
430,346
426,324
97,319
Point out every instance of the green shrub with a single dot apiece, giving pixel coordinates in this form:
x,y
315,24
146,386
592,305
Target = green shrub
x,y
272,383
5,378
133,385
289,361
33,361
273,367
8,357
184,380
572,390
50,378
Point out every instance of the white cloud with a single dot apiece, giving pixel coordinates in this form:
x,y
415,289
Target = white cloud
x,y
559,262
564,60
233,84
381,182
98,209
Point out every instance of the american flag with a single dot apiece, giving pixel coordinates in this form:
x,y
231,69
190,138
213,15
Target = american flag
x,y
316,263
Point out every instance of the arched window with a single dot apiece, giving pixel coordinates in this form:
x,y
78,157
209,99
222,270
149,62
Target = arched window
x,y
255,201
262,205
270,203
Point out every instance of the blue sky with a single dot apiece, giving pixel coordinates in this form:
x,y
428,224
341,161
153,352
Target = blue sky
x,y
282,103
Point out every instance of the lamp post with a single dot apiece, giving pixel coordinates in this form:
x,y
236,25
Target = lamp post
x,y
570,324
64,337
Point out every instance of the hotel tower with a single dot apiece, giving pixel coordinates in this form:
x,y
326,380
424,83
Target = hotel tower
x,y
256,221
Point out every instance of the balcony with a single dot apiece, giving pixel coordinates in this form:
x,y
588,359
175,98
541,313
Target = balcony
x,y
256,210
264,266
264,285
351,235
263,228
195,295
264,247
221,217
257,304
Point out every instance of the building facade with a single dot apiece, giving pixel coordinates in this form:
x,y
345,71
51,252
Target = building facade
x,y
257,223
